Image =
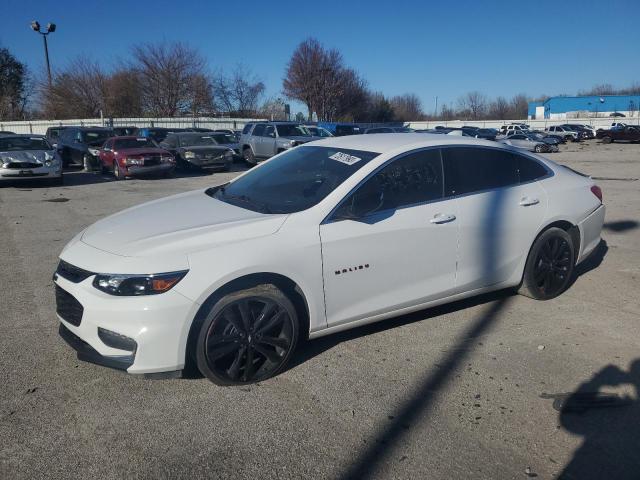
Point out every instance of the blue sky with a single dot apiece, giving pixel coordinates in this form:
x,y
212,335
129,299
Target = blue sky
x,y
439,48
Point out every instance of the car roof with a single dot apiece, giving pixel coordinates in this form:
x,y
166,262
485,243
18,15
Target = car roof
x,y
386,142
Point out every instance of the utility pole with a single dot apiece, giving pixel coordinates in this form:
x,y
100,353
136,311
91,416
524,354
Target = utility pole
x,y
51,27
436,114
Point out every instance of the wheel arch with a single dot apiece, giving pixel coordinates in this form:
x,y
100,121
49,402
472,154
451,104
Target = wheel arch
x,y
289,287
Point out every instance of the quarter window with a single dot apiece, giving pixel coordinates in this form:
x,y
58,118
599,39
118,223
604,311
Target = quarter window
x,y
469,169
529,170
247,127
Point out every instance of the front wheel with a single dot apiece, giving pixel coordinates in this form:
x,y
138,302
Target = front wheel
x,y
87,164
117,173
249,157
538,148
550,265
607,139
247,336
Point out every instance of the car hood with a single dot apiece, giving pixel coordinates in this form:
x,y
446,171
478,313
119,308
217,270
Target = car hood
x,y
205,148
183,223
299,138
38,156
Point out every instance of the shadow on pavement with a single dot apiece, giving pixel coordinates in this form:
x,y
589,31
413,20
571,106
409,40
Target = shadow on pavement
x,y
620,226
608,423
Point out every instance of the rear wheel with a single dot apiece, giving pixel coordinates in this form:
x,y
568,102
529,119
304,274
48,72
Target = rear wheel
x,y
607,139
247,336
550,265
538,148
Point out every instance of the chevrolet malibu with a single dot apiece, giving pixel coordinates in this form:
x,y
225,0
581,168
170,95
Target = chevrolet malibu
x,y
323,237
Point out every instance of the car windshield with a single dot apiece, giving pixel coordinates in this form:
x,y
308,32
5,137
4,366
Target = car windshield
x,y
293,181
196,140
291,130
141,142
12,144
223,138
96,136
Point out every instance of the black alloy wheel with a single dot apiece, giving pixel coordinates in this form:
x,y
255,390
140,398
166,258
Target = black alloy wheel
x,y
247,337
550,265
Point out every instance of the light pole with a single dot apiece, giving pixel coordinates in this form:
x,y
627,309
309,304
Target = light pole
x,y
51,27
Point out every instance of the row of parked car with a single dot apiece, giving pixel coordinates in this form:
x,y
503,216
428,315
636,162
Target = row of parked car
x,y
130,151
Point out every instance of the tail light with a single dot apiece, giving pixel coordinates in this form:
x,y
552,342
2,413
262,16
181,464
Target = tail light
x,y
597,191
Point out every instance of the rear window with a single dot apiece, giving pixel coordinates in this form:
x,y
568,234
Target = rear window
x,y
470,169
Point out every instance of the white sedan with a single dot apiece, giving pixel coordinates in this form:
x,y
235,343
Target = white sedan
x,y
321,238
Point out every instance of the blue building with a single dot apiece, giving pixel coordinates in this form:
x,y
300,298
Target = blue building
x,y
557,108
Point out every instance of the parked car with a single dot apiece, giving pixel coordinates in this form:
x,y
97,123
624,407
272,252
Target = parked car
x,y
29,157
194,150
81,145
389,130
233,133
6,132
566,133
518,127
485,133
227,140
125,131
135,156
53,133
583,133
158,134
235,276
617,114
548,135
541,136
341,129
528,142
625,134
263,140
317,131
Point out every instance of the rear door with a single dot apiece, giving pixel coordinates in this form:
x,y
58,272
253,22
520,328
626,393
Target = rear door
x,y
400,254
499,214
255,140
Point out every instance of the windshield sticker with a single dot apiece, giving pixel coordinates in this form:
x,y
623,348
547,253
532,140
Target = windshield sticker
x,y
345,158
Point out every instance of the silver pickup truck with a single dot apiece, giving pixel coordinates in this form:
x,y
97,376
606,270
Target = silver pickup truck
x,y
263,140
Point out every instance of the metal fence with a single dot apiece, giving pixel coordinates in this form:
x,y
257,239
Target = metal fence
x,y
40,126
534,124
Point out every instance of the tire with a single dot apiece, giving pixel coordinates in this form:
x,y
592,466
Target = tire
x,y
538,149
249,157
57,182
117,173
170,173
233,348
103,168
607,140
550,265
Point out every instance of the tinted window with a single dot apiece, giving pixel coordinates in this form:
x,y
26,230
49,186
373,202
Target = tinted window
x,y
529,169
469,169
269,131
294,180
171,141
259,130
292,130
247,127
410,180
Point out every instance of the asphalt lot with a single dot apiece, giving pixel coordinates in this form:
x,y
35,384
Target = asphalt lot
x,y
460,391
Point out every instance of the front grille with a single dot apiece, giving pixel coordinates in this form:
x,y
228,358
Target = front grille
x,y
72,273
68,307
152,160
24,165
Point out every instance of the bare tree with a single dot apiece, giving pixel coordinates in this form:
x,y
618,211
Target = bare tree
x,y
78,91
238,93
167,74
407,107
123,96
302,74
473,104
499,109
273,109
519,106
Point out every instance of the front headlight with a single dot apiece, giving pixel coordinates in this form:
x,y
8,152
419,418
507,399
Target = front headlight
x,y
189,155
133,285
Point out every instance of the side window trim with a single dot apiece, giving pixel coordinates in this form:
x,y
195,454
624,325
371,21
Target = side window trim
x,y
329,218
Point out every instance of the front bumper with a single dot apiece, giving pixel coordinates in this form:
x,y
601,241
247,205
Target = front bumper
x,y
158,326
217,162
30,173
135,170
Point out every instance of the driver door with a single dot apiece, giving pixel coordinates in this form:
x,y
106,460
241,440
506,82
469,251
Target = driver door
x,y
392,243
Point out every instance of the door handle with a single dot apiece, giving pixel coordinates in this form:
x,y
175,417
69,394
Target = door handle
x,y
528,201
442,218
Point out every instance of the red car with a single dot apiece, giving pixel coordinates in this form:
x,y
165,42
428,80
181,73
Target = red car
x,y
132,156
